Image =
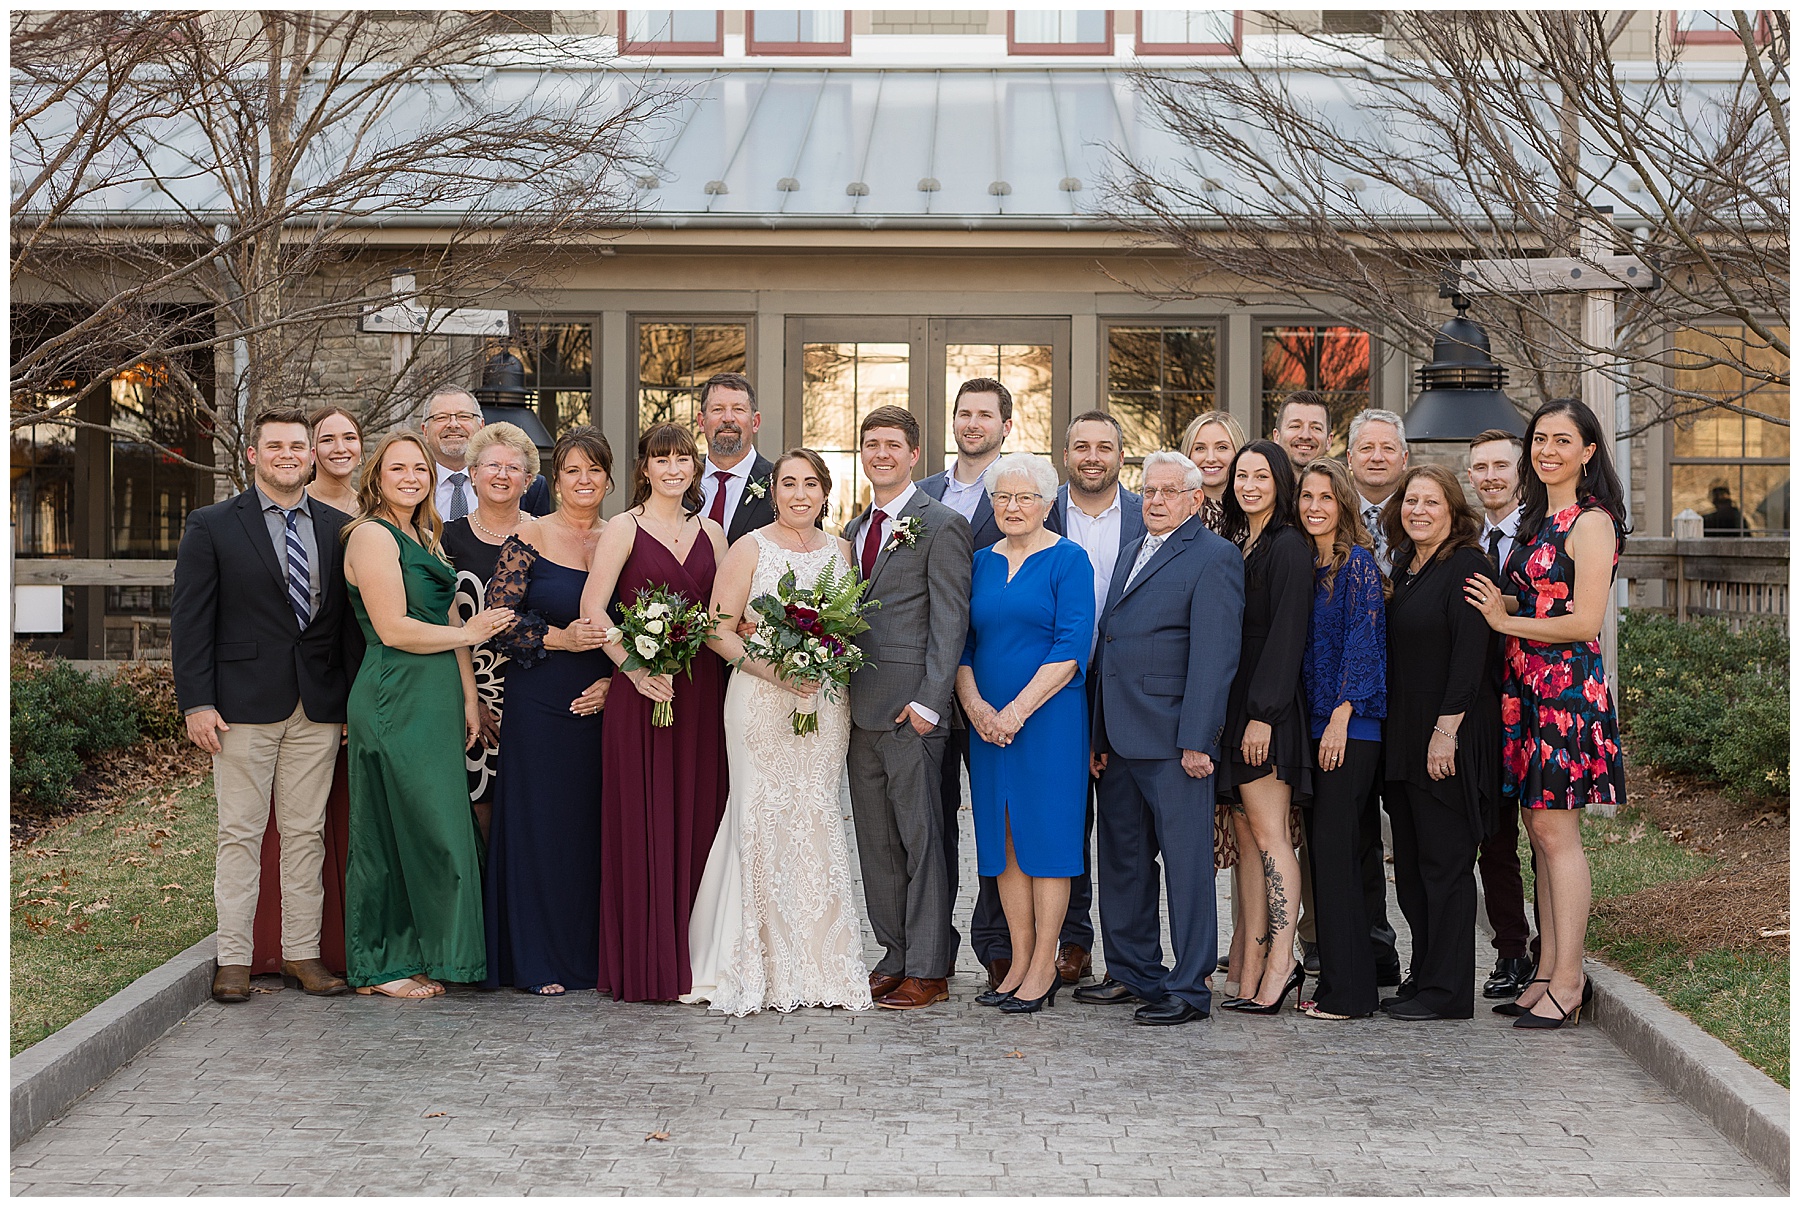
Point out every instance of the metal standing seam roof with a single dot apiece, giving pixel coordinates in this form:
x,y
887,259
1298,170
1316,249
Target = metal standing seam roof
x,y
967,148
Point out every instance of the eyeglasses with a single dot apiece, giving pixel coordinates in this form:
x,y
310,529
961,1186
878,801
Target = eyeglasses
x,y
1169,493
464,417
1025,499
495,467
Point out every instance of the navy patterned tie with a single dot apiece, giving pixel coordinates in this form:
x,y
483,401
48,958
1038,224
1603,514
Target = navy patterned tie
x,y
459,506
299,581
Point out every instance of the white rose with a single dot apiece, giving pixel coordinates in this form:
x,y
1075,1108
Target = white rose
x,y
615,635
654,626
646,648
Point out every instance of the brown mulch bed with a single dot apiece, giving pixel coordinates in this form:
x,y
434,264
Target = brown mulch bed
x,y
114,778
1742,903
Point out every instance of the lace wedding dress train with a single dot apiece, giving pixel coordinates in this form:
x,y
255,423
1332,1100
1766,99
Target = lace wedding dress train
x,y
776,924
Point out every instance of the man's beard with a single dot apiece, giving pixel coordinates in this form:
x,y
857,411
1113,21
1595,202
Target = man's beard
x,y
727,440
980,450
1106,482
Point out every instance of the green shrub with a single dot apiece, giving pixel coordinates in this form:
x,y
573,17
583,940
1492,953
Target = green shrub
x,y
1697,698
61,716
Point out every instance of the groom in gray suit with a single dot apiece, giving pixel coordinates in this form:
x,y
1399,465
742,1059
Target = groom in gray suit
x,y
1166,653
914,553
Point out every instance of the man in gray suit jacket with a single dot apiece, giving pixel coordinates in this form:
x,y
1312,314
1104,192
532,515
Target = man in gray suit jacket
x,y
915,554
1166,652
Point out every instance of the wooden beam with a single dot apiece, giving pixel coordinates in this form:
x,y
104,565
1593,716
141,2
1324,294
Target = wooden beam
x,y
91,572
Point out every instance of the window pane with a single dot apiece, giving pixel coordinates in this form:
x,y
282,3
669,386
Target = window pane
x,y
1025,370
1705,20
152,491
1334,360
777,25
674,358
559,370
671,25
800,25
840,383
43,490
1185,26
1059,25
1158,380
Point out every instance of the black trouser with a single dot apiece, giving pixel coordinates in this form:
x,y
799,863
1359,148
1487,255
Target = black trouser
x,y
1504,886
1434,878
1374,874
1334,845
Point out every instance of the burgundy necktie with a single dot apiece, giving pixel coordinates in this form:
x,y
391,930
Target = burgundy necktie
x,y
717,512
872,541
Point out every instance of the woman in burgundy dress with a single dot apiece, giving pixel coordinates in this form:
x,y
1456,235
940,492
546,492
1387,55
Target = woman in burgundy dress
x,y
664,789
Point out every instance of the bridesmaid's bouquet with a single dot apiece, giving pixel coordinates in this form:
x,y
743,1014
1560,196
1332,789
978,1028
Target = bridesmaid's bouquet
x,y
805,634
662,632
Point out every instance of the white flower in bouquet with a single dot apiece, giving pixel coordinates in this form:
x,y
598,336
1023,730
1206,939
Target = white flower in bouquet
x,y
615,635
646,648
658,608
801,660
653,626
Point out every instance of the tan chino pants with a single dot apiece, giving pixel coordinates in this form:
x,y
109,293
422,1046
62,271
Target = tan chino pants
x,y
294,760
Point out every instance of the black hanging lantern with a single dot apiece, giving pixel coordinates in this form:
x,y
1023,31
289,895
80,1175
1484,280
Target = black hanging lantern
x,y
504,399
1460,393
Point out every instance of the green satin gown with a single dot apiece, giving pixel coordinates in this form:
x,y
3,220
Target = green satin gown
x,y
412,893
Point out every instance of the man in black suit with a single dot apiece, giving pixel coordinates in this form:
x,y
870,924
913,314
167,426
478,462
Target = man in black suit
x,y
734,482
450,417
262,665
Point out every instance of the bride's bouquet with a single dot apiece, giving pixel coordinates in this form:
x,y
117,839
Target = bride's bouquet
x,y
662,632
805,634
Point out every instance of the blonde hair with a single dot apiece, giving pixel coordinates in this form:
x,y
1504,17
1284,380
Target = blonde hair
x,y
369,501
1224,419
512,436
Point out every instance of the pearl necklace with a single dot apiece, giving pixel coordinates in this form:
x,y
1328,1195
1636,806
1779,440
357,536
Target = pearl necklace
x,y
498,536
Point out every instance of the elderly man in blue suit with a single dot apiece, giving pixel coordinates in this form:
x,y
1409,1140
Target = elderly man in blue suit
x,y
1165,655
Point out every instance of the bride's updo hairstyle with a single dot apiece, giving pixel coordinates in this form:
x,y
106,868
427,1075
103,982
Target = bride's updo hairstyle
x,y
818,467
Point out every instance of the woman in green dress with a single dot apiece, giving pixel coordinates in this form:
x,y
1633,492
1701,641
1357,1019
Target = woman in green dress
x,y
412,894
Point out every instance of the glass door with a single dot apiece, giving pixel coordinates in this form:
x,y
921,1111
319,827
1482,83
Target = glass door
x,y
1030,357
838,371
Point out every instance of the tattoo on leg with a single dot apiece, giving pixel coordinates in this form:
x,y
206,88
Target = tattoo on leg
x,y
1278,904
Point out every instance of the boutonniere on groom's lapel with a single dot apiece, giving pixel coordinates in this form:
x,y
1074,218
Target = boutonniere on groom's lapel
x,y
907,531
756,489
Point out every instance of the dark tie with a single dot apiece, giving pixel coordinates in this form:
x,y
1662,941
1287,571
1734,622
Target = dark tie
x,y
717,511
872,541
1494,550
299,582
459,506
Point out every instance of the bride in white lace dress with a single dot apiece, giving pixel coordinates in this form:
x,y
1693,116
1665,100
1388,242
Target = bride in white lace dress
x,y
776,923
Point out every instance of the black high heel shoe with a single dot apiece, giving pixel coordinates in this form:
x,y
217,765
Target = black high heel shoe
x,y
1538,1022
996,997
1251,1006
1020,1005
1512,1009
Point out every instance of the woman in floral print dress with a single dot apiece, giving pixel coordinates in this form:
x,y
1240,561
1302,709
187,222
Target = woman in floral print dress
x,y
1561,749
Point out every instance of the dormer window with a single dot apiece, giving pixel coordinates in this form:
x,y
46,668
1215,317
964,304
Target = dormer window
x,y
797,31
1189,31
671,31
1059,31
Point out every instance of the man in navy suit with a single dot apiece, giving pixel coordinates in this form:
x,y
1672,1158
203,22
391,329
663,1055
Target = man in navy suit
x,y
981,419
1166,652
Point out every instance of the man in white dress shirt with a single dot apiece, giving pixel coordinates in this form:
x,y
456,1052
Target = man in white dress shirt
x,y
1377,455
1494,458
734,482
452,416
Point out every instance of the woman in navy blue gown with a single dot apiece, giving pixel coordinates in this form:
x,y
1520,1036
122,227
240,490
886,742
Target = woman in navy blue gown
x,y
543,868
1031,626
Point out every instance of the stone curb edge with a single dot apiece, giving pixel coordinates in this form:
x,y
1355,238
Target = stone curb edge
x,y
1749,1107
51,1074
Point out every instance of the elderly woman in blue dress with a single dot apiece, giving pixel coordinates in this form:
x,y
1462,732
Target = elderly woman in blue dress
x,y
1031,625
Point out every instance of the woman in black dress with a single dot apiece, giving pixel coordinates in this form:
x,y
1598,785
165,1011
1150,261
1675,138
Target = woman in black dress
x,y
1266,726
502,462
1442,738
543,869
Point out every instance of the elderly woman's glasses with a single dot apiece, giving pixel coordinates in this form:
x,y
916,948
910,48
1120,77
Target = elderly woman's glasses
x,y
1005,499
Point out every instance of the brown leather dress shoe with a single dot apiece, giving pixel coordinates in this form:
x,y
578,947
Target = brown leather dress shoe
x,y
915,992
1073,962
997,970
882,983
231,983
313,977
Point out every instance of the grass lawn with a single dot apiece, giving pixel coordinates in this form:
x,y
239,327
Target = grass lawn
x,y
1737,994
104,898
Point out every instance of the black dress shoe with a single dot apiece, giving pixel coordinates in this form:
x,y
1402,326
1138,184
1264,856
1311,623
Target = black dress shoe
x,y
1411,1011
1170,1012
1309,956
1107,993
1511,975
1388,974
1405,993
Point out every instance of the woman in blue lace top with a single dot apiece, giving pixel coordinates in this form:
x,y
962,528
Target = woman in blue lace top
x,y
1345,670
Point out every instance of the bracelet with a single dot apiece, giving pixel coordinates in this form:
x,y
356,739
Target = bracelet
x,y
1451,736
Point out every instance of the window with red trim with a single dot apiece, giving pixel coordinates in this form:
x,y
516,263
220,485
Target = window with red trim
x,y
1189,30
1059,31
671,31
1715,26
797,31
